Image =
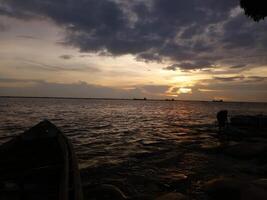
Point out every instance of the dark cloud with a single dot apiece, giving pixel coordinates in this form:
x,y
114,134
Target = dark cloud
x,y
227,79
66,57
48,89
239,32
28,37
54,68
238,66
241,79
184,32
255,79
37,88
172,67
148,56
3,27
13,80
190,65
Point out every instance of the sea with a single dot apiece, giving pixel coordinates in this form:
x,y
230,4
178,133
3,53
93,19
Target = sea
x,y
143,147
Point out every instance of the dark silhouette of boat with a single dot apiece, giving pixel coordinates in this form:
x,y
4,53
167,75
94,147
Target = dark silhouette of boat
x,y
136,99
217,100
39,164
169,100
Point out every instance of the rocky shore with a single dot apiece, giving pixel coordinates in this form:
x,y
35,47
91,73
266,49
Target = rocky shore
x,y
230,167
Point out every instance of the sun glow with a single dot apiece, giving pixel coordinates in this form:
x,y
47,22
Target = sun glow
x,y
184,90
176,91
182,79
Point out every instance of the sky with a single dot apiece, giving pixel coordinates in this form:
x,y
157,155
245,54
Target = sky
x,y
181,49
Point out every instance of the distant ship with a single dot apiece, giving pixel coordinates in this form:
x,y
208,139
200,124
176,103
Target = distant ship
x,y
169,100
217,100
144,99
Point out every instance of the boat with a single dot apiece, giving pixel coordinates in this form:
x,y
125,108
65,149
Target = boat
x,y
39,164
137,99
217,100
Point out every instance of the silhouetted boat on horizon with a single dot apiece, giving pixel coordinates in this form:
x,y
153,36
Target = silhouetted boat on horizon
x,y
217,100
39,164
138,99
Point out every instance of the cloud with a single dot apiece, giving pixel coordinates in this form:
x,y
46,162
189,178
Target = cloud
x,y
54,68
66,57
40,88
227,79
155,89
13,80
238,66
28,37
3,27
238,88
241,79
234,88
186,32
256,78
251,88
190,65
172,67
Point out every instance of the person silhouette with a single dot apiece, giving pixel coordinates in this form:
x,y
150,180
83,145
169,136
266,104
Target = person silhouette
x,y
222,119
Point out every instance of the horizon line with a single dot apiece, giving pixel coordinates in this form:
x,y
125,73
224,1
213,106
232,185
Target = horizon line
x,y
133,99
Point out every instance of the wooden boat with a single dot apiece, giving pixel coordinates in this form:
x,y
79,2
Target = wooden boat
x,y
39,164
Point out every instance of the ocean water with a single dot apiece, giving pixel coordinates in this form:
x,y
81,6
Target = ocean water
x,y
137,137
108,131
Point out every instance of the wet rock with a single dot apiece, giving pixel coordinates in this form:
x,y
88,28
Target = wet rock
x,y
174,180
231,189
172,196
224,188
104,192
169,159
256,191
211,148
260,183
246,150
257,121
152,188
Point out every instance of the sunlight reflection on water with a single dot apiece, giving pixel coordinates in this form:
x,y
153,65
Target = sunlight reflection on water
x,y
114,131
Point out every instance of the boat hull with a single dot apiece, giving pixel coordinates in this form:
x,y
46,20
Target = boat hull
x,y
39,164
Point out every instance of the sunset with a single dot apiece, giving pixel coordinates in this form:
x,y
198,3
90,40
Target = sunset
x,y
133,99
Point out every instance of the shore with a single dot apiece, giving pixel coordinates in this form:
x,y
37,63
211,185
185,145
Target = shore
x,y
221,169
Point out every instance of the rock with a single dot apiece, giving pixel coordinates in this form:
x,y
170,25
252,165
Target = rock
x,y
231,189
211,148
260,183
169,159
254,192
174,178
224,188
172,196
246,150
256,121
104,192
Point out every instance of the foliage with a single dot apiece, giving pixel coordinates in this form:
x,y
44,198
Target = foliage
x,y
256,9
